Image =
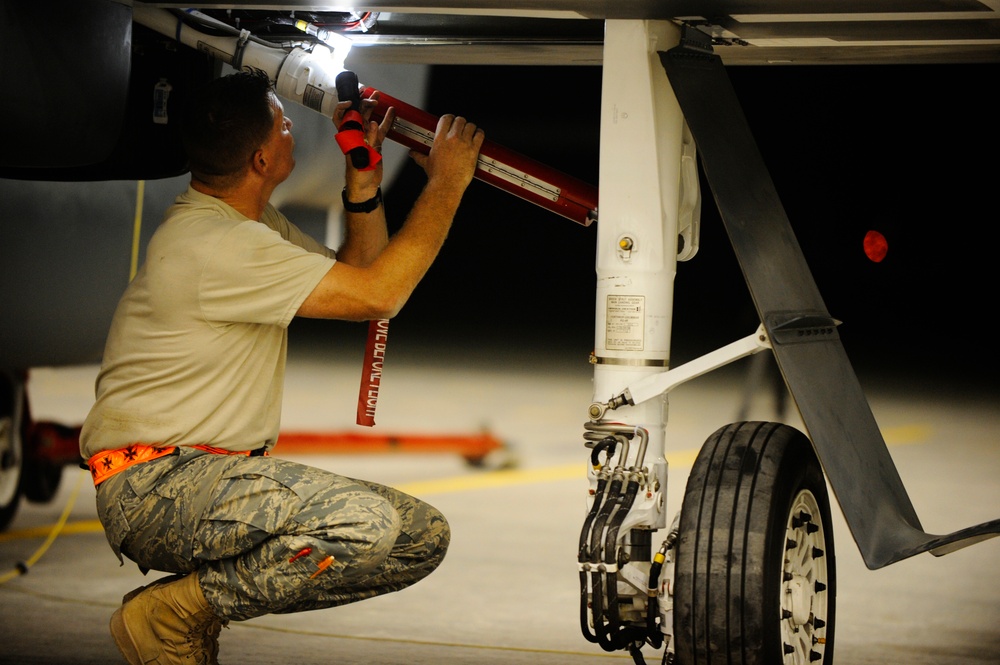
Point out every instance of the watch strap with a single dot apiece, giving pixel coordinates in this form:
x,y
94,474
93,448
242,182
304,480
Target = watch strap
x,y
364,206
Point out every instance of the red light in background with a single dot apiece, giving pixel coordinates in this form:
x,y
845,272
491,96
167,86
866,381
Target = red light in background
x,y
876,246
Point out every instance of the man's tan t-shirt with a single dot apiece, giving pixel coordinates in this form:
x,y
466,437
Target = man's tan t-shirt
x,y
196,351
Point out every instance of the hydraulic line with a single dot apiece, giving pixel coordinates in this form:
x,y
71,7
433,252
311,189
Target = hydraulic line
x,y
600,555
596,609
608,444
610,548
589,555
584,615
608,507
655,636
597,568
624,432
653,633
610,558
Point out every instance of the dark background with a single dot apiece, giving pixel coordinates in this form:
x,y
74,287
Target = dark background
x,y
909,151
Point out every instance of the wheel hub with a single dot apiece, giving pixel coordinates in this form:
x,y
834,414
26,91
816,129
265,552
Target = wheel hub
x,y
798,600
804,583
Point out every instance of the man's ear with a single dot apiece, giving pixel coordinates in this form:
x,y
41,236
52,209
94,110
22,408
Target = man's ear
x,y
259,163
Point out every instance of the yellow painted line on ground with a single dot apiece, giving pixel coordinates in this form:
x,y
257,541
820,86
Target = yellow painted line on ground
x,y
509,477
681,458
907,434
83,526
504,478
894,436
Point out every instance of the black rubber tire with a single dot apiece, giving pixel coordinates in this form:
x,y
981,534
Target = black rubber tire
x,y
40,480
744,545
11,452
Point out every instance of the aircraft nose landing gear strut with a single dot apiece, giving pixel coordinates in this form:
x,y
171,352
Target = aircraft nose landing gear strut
x,y
751,577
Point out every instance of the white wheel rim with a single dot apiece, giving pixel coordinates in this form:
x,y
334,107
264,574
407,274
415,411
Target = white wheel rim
x,y
804,584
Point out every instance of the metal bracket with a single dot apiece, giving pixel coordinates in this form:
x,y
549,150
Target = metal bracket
x,y
658,384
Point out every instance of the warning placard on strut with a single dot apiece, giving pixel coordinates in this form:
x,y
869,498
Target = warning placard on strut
x,y
625,323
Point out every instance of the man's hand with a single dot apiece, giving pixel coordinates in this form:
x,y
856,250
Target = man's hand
x,y
362,185
454,153
360,290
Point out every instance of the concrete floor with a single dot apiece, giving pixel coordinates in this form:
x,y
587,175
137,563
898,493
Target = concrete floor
x,y
507,593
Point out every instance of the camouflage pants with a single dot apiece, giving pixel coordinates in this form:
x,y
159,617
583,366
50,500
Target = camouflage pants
x,y
268,535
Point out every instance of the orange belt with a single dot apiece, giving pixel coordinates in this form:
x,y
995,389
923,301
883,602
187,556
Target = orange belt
x,y
107,463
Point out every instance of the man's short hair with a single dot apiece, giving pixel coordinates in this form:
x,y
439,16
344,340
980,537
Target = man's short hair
x,y
225,123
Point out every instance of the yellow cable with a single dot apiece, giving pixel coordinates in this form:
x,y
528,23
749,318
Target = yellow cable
x,y
137,228
23,567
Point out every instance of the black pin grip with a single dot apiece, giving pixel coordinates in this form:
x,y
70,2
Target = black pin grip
x,y
349,89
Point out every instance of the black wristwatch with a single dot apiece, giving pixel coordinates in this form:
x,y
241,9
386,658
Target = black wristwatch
x,y
364,206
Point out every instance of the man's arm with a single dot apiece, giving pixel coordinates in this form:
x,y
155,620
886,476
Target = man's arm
x,y
357,291
365,233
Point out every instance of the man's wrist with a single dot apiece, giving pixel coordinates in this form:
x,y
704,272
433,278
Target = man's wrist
x,y
362,206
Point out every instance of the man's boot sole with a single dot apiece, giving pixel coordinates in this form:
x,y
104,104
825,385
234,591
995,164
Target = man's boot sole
x,y
123,638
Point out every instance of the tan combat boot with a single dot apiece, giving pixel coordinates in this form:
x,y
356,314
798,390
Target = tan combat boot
x,y
167,622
